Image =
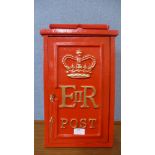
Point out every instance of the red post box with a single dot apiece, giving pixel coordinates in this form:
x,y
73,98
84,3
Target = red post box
x,y
79,76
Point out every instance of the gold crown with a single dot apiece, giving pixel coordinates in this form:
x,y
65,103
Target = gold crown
x,y
79,66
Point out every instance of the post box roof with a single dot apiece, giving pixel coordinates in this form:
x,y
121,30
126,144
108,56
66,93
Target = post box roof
x,y
84,26
79,29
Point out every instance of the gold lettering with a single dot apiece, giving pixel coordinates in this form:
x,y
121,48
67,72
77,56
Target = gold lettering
x,y
74,125
64,96
83,123
79,96
76,96
64,121
92,121
89,97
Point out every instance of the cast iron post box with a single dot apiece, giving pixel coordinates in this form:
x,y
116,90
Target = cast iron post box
x,y
79,80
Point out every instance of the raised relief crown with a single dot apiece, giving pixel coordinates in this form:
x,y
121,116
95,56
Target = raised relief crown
x,y
79,66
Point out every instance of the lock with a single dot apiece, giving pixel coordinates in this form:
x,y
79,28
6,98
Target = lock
x,y
52,97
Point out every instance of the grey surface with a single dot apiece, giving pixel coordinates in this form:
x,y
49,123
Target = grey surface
x,y
73,11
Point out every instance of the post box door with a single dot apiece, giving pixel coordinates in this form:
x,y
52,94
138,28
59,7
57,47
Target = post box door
x,y
77,91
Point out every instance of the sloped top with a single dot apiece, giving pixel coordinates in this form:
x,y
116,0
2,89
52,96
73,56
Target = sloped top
x,y
79,29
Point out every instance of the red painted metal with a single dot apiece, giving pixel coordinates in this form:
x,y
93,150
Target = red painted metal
x,y
81,112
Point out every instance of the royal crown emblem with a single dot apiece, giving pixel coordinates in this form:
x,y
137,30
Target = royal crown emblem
x,y
79,66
